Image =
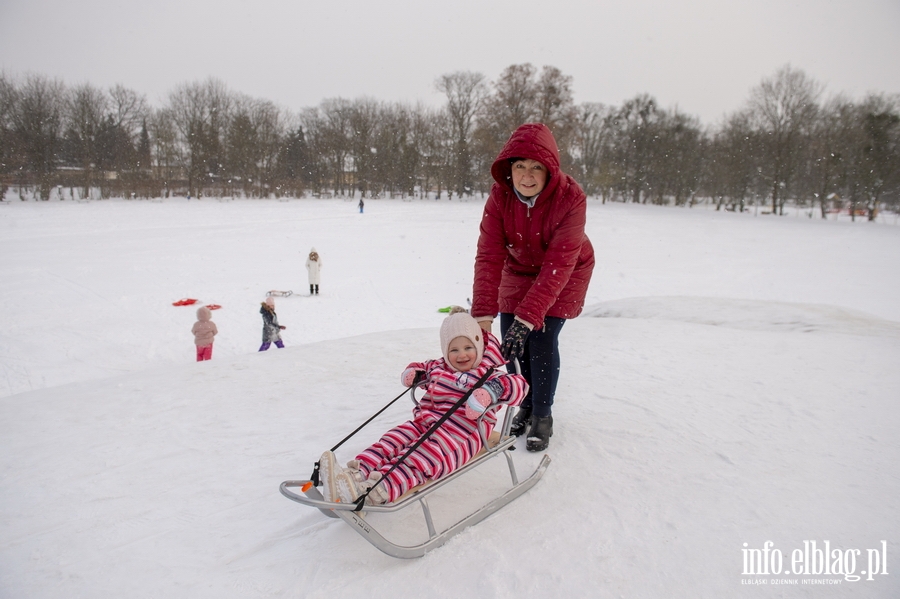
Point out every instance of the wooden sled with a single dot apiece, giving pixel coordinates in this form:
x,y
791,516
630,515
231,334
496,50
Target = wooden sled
x,y
498,444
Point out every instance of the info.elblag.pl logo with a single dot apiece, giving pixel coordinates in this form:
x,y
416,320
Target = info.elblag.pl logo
x,y
813,559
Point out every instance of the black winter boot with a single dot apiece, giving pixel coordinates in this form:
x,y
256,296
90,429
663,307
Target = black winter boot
x,y
317,290
539,434
521,422
311,287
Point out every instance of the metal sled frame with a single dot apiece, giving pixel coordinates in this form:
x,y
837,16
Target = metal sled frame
x,y
503,444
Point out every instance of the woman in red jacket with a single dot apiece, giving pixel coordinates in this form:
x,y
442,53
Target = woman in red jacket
x,y
533,267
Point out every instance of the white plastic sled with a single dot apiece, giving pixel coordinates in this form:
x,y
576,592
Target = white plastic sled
x,y
500,443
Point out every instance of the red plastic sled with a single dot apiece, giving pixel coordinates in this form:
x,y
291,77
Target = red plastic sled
x,y
213,306
185,302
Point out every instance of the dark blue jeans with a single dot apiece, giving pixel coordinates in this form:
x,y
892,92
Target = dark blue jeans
x,y
539,363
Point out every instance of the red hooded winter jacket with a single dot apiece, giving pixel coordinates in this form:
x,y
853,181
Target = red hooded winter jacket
x,y
533,262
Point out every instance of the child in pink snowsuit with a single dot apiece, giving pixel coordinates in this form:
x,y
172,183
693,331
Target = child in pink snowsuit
x,y
468,353
204,331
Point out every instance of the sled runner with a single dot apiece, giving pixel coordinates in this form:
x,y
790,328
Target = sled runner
x,y
499,443
277,293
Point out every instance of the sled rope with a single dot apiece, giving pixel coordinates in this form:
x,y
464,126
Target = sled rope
x,y
428,433
315,475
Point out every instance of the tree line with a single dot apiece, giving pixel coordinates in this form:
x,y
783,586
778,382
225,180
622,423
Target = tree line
x,y
786,143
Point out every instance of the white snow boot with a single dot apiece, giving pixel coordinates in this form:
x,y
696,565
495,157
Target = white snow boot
x,y
379,493
353,469
349,490
328,472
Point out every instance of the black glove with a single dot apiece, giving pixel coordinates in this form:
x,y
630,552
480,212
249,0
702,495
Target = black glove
x,y
513,345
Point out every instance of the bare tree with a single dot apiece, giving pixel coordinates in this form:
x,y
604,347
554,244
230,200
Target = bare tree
x,y
7,149
127,114
129,108
515,98
269,122
87,110
591,145
513,102
318,167
252,146
365,117
880,153
635,130
830,151
436,149
465,93
166,151
732,170
783,107
556,109
37,123
409,124
189,112
144,161
394,156
294,167
200,112
675,168
333,134
219,101
242,143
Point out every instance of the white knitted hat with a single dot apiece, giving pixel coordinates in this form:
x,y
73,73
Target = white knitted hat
x,y
461,325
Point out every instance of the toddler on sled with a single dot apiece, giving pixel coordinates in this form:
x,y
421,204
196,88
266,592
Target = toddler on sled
x,y
468,354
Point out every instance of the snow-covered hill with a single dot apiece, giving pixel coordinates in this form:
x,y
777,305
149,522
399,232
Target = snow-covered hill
x,y
711,397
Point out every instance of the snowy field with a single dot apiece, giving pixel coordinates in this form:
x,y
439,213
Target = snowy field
x,y
733,381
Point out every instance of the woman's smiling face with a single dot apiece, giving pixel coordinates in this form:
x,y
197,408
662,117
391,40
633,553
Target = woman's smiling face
x,y
529,177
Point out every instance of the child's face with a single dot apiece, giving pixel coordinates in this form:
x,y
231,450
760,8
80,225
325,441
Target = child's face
x,y
462,353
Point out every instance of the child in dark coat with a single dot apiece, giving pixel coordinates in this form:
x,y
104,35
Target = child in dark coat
x,y
271,332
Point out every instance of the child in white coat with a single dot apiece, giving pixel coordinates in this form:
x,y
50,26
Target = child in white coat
x,y
313,266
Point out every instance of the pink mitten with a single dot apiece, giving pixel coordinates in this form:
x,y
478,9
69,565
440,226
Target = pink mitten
x,y
477,402
408,377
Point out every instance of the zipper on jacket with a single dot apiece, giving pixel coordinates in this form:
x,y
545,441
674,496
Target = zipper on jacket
x,y
529,202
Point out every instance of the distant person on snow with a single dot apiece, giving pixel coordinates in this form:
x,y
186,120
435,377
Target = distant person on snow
x,y
361,205
468,352
204,331
313,266
271,332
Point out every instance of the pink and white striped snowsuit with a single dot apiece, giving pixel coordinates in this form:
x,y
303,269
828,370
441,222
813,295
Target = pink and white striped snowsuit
x,y
456,441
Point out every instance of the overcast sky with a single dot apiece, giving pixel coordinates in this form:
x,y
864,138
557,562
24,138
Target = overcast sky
x,y
703,56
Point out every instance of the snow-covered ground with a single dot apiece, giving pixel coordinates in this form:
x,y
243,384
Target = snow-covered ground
x,y
733,381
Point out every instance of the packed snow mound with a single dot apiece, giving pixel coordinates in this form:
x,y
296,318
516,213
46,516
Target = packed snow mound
x,y
746,314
